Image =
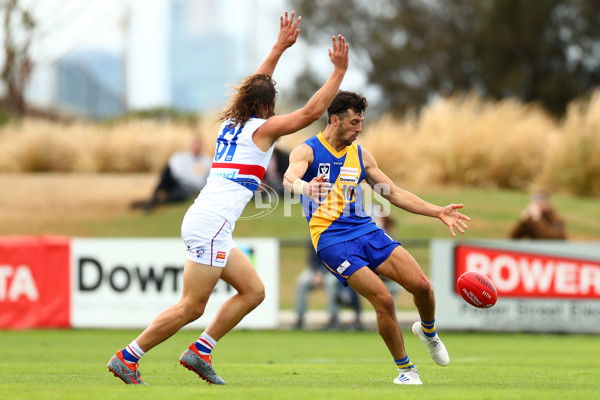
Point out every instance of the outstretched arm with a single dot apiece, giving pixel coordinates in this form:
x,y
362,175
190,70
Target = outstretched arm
x,y
410,202
288,33
281,125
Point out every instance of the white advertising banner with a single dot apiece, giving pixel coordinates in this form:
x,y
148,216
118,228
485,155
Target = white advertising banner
x,y
543,286
125,283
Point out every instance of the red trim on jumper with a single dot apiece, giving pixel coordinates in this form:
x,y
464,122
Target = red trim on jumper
x,y
244,169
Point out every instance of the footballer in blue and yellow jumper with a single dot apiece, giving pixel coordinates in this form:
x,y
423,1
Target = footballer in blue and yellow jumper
x,y
341,216
326,170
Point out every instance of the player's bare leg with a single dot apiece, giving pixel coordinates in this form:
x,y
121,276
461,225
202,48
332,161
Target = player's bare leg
x,y
371,287
240,274
199,281
402,268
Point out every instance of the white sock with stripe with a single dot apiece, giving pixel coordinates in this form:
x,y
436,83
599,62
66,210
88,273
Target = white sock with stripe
x,y
205,344
133,353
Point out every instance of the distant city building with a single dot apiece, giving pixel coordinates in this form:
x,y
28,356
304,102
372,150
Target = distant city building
x,y
205,51
203,60
90,84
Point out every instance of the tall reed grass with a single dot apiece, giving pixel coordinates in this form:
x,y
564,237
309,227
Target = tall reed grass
x,y
574,158
132,146
468,140
465,140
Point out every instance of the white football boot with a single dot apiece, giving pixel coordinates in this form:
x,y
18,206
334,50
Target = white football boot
x,y
436,348
408,376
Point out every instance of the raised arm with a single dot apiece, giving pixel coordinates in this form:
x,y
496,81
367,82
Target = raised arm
x,y
300,159
288,33
278,126
408,201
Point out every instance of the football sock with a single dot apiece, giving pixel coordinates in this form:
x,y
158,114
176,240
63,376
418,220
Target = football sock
x,y
429,328
133,353
205,344
404,363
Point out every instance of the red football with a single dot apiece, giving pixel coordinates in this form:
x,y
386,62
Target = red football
x,y
477,289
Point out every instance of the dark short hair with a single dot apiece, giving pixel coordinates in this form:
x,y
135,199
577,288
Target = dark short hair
x,y
344,101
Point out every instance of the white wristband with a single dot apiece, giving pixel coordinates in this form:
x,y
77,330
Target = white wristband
x,y
299,185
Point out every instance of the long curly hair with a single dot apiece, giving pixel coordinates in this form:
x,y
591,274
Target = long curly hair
x,y
254,97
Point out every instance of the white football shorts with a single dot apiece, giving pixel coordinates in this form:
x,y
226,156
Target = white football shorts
x,y
208,237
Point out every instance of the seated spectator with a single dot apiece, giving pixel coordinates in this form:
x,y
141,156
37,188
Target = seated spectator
x,y
183,177
539,220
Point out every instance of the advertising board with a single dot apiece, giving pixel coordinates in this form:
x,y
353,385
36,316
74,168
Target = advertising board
x,y
542,286
114,282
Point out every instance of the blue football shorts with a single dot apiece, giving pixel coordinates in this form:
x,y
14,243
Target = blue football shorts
x,y
345,258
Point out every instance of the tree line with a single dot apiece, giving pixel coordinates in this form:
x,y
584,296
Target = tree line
x,y
544,51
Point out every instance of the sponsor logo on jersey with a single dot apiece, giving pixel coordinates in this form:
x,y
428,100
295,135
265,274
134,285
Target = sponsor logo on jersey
x,y
343,267
348,171
324,169
224,173
348,179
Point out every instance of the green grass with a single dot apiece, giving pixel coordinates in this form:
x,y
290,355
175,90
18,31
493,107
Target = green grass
x,y
71,364
493,212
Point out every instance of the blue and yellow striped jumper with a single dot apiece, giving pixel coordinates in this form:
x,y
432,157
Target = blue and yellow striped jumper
x,y
341,217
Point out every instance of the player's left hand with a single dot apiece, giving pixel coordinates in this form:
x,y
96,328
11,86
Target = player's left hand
x,y
288,30
453,219
338,52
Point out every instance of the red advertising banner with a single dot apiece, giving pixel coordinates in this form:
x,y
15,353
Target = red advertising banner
x,y
35,284
531,275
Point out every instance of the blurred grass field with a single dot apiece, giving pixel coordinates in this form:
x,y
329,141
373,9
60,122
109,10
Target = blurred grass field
x,y
71,364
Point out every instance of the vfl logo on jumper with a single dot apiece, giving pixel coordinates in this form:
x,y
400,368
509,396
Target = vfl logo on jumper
x,y
343,267
324,169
